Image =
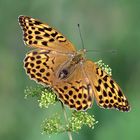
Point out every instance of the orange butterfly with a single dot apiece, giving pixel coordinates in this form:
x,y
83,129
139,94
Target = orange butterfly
x,y
56,63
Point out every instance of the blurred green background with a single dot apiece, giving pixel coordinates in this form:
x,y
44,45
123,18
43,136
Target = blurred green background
x,y
105,25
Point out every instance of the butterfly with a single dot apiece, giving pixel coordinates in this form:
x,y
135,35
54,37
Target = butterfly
x,y
55,62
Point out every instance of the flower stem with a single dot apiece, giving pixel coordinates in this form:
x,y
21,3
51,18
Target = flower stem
x,y
65,116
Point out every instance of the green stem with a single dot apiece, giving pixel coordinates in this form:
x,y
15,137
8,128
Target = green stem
x,y
65,116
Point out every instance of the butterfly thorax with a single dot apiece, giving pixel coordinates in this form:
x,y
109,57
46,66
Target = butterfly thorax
x,y
78,57
68,67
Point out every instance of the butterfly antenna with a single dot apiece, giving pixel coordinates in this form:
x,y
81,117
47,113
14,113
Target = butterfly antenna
x,y
113,51
81,37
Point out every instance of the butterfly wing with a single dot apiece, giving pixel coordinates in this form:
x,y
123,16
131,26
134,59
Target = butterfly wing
x,y
76,91
40,35
41,65
107,92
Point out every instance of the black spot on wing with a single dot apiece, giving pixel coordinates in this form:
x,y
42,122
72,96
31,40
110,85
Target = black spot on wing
x,y
37,23
38,37
46,35
54,34
44,43
48,28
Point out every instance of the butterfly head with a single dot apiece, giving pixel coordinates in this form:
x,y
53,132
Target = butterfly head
x,y
82,51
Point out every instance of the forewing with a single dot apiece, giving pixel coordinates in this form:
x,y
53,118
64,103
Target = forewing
x,y
107,92
40,35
